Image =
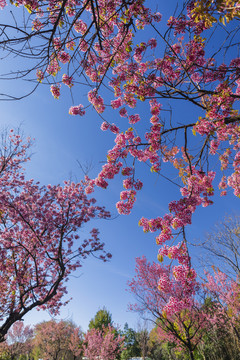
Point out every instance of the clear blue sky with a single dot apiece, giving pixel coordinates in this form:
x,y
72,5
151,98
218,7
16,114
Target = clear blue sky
x,y
61,140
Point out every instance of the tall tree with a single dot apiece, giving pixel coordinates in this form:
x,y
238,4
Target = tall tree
x,y
156,350
225,294
55,340
143,341
131,344
75,343
103,318
39,242
102,343
18,341
163,298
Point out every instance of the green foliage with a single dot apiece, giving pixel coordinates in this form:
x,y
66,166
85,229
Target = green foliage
x,y
23,357
36,353
156,351
143,341
131,345
5,356
103,318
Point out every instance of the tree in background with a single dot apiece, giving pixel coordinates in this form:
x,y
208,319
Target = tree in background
x,y
18,342
224,293
75,343
103,318
157,348
154,288
219,342
131,344
143,341
102,344
103,339
39,242
57,340
222,246
222,288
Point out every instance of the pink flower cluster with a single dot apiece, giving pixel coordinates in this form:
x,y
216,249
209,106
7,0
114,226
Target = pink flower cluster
x,y
40,75
177,252
53,68
67,80
63,57
96,100
77,110
37,25
3,3
70,45
80,26
124,208
133,119
55,90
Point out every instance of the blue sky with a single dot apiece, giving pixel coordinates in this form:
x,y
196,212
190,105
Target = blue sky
x,y
60,141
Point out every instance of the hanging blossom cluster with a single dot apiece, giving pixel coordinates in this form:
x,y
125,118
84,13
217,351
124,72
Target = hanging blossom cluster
x,y
197,192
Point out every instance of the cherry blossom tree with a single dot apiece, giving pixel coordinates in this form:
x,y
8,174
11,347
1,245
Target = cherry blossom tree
x,y
18,341
192,58
57,340
39,242
224,293
19,333
102,344
75,343
163,297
